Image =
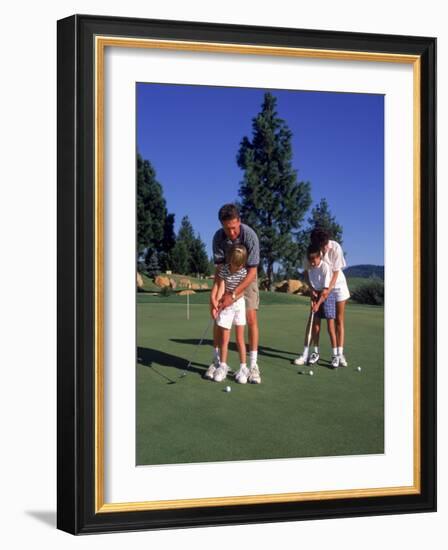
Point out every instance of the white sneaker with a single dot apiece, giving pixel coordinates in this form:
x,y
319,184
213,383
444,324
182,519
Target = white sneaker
x,y
314,358
254,375
221,373
242,375
335,361
300,360
210,372
342,361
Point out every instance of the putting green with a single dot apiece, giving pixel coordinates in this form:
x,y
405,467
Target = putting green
x,y
184,420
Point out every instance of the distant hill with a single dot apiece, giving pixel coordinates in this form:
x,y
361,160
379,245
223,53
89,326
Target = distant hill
x,y
365,271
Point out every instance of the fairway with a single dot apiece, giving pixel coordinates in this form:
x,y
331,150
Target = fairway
x,y
290,414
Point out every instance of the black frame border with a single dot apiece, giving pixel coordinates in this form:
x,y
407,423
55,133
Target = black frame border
x,y
76,267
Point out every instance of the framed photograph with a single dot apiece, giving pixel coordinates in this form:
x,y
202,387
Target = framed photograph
x,y
246,274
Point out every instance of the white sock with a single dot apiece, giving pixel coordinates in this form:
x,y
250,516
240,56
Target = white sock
x,y
253,355
306,352
340,351
316,349
335,351
223,364
243,365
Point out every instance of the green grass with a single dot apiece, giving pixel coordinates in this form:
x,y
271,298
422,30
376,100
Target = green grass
x,y
183,420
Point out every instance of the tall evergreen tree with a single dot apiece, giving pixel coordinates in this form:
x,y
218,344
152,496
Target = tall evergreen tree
x,y
155,227
322,217
198,257
151,208
152,264
169,240
186,232
273,202
180,257
193,246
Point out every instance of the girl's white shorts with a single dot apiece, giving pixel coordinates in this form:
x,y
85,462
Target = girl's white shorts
x,y
232,315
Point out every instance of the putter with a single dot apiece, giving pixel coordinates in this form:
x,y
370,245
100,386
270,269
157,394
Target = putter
x,y
308,339
311,318
197,347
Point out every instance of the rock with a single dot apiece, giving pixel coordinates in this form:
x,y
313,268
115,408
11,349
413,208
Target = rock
x,y
186,292
140,283
186,283
173,284
196,286
294,285
291,286
282,286
204,286
161,281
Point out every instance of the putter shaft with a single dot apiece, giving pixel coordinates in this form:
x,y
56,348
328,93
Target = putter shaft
x,y
197,347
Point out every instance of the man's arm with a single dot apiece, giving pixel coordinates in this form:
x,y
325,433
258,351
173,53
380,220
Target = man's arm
x,y
227,300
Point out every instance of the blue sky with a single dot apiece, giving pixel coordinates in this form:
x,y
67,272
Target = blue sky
x,y
191,135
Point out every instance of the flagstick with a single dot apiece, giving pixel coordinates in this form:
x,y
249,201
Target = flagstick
x,y
188,307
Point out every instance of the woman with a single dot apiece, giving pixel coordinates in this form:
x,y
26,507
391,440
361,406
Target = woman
x,y
332,254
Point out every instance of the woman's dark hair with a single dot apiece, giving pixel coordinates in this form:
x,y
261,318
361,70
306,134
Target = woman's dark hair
x,y
319,237
228,212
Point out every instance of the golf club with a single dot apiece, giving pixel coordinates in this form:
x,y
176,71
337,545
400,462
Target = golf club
x,y
310,330
197,347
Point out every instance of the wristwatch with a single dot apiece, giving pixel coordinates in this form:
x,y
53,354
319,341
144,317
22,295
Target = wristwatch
x,y
234,296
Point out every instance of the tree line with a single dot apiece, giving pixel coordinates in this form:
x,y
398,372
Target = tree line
x,y
159,249
271,200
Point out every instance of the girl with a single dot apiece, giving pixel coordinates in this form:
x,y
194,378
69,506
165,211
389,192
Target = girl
x,y
230,276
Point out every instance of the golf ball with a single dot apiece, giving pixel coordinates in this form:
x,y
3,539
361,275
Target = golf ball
x,y
311,373
358,369
228,389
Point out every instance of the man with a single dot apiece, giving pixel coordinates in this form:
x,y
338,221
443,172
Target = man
x,y
234,232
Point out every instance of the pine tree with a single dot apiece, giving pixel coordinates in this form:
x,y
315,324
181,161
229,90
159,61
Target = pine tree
x,y
169,240
152,264
198,257
322,217
155,227
273,202
194,249
186,232
180,258
151,208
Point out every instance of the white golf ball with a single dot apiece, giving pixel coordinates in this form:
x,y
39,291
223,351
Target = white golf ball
x,y
358,369
228,389
311,373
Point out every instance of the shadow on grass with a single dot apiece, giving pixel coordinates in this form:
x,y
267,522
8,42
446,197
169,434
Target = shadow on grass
x,y
262,350
323,363
152,357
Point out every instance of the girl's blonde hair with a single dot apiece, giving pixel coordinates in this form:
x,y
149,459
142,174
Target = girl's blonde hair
x,y
238,255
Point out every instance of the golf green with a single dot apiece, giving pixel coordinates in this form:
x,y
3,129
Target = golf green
x,y
290,414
